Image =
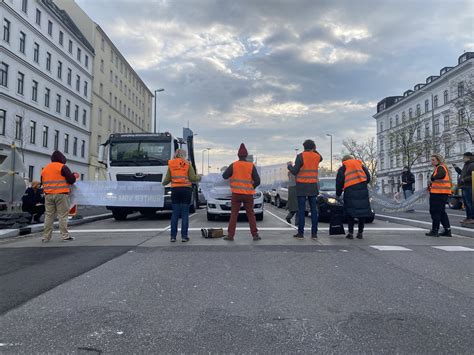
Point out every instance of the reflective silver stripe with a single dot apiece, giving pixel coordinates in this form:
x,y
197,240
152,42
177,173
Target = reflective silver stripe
x,y
356,178
242,188
54,182
57,187
441,187
180,177
308,171
243,181
354,172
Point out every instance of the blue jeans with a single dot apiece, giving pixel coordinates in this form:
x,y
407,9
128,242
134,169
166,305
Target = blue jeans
x,y
407,194
467,198
180,210
301,214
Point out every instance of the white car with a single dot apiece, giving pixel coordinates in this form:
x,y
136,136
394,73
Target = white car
x,y
220,203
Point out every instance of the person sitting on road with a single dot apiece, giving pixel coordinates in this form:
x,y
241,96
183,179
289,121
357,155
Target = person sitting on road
x,y
465,184
181,174
33,201
352,179
244,179
306,170
440,189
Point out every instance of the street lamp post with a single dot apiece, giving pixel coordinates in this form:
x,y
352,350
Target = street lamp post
x,y
330,135
202,160
208,166
154,118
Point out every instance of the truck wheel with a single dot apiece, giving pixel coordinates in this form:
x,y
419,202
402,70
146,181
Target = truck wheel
x,y
119,215
259,216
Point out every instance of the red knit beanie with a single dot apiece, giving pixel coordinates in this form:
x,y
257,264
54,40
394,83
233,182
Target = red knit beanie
x,y
242,151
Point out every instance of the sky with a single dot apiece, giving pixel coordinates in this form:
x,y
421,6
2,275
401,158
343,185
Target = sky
x,y
274,73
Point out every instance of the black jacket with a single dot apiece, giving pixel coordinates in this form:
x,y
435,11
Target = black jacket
x,y
466,173
303,189
230,171
356,197
409,179
31,198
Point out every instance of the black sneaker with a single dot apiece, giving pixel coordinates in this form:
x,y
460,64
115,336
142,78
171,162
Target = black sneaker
x,y
298,236
446,233
360,236
432,233
229,238
288,220
67,239
350,236
257,237
185,240
314,237
172,240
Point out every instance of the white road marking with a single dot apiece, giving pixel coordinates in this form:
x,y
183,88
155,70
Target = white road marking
x,y
423,222
281,219
449,214
454,248
389,248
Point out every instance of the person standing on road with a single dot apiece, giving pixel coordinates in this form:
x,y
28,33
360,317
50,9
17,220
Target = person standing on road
x,y
181,175
306,171
244,179
465,184
408,179
440,189
292,203
57,179
352,179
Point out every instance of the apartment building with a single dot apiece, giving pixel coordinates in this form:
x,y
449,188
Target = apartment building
x,y
427,119
45,85
121,102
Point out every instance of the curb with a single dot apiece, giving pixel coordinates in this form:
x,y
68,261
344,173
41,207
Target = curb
x,y
462,231
38,228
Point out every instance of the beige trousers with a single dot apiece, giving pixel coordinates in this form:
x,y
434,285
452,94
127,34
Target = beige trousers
x,y
56,205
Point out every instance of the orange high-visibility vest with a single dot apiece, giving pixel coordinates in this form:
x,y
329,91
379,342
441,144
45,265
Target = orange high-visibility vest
x,y
179,169
354,173
441,186
308,173
52,180
241,181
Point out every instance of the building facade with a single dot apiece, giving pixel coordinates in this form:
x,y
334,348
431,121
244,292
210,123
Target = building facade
x,y
45,85
433,117
121,102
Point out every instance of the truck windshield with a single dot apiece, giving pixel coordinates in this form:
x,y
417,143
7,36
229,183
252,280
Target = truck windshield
x,y
139,153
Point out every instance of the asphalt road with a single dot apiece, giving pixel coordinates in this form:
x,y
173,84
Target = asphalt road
x,y
122,287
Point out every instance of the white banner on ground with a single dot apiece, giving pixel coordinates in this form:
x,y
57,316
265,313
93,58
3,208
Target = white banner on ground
x,y
399,204
118,193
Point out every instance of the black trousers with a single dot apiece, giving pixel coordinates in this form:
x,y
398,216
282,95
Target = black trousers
x,y
351,223
438,211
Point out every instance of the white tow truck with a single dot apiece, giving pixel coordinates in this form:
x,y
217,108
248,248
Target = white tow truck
x,y
144,157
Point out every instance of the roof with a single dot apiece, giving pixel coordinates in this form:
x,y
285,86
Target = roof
x,y
68,22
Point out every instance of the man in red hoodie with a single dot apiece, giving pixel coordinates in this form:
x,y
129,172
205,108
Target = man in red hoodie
x,y
57,179
244,179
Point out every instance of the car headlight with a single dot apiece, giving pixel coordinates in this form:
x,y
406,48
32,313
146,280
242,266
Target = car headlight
x,y
257,195
259,205
332,201
211,205
168,193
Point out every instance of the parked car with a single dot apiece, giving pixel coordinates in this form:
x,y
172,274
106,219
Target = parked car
x,y
279,196
220,204
267,196
201,198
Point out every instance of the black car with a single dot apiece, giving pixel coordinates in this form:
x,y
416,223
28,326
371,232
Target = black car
x,y
328,203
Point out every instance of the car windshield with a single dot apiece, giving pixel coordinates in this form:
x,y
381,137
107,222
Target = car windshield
x,y
140,153
327,184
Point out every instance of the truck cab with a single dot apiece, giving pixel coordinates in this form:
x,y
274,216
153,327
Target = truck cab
x,y
144,157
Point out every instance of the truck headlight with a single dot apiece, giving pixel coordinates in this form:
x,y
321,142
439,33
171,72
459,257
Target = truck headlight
x,y
332,201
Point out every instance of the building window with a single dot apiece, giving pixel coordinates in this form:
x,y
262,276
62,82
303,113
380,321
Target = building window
x,y
22,42
446,123
46,97
100,117
36,51
427,129
435,101
427,106
19,128
79,54
462,116
110,123
20,83
3,116
410,113
418,110
99,139
50,28
102,43
391,122
4,74
69,76
60,70
83,149
102,65
111,76
397,120
84,117
445,96
48,61
101,89
31,172
24,6
45,136
76,113
74,146
460,88
78,83
61,38
56,139
34,91
38,17
68,108
447,151
33,132
436,126
70,46
58,103
66,143
85,88
86,61
6,30
418,133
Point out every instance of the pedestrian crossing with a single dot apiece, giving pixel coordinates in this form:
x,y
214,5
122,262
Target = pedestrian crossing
x,y
401,248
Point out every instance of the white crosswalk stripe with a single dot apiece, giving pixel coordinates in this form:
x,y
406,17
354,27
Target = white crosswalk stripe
x,y
453,248
389,248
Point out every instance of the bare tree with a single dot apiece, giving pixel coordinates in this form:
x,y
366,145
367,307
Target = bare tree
x,y
366,152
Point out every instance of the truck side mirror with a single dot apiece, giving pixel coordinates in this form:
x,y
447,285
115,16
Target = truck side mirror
x,y
100,157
